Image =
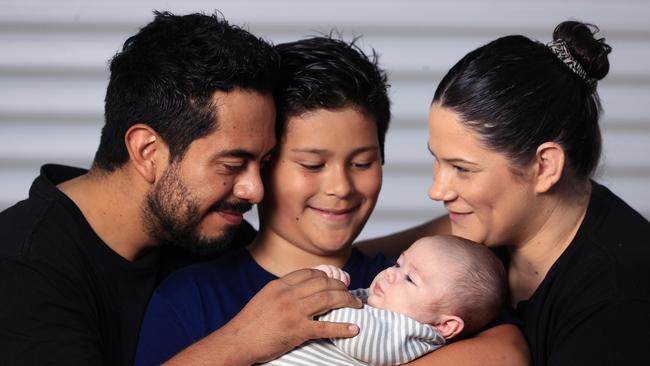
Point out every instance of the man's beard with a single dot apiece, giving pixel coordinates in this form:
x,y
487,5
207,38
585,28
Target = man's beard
x,y
172,216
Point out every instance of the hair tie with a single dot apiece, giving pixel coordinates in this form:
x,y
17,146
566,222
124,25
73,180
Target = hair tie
x,y
560,48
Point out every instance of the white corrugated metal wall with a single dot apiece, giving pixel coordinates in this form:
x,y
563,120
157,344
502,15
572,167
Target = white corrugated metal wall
x,y
53,58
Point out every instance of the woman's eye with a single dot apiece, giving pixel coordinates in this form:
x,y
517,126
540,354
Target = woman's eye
x,y
408,278
460,169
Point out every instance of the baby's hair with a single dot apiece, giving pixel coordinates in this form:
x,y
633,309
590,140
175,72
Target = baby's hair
x,y
479,289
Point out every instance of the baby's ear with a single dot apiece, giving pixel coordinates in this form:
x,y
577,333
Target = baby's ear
x,y
449,325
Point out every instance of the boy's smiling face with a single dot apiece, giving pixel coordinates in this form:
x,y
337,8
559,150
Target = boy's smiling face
x,y
324,182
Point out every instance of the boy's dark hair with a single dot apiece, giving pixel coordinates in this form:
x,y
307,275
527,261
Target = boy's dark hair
x,y
322,72
165,77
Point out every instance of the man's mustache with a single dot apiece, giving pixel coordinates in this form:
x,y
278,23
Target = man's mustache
x,y
232,206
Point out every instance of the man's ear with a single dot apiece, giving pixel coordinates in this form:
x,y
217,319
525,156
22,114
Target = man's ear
x,y
449,325
549,164
145,148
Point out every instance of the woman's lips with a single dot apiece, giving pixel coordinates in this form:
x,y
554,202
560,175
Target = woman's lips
x,y
456,216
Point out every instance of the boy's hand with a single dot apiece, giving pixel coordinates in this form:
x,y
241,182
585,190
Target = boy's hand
x,y
335,272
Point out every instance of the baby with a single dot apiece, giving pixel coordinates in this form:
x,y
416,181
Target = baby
x,y
441,287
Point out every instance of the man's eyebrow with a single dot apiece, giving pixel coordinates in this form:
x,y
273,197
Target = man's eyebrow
x,y
236,153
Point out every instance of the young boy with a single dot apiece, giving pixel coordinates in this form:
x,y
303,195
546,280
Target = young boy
x,y
440,288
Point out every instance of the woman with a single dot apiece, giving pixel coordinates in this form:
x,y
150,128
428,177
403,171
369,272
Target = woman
x,y
513,129
321,187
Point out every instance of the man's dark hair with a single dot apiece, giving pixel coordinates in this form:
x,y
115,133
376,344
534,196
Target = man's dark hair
x,y
165,77
322,72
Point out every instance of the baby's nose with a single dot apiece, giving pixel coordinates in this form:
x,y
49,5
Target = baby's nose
x,y
391,274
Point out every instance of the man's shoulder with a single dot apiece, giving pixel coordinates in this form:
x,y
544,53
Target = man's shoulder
x,y
36,223
21,224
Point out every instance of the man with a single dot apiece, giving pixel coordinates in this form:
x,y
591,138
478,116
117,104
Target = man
x,y
189,120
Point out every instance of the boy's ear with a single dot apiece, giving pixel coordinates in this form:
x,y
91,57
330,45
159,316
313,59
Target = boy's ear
x,y
449,326
145,148
549,165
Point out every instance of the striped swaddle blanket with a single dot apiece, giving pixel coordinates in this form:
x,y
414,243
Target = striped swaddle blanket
x,y
385,338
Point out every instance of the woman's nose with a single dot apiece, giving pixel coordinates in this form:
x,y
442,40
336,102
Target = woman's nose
x,y
440,189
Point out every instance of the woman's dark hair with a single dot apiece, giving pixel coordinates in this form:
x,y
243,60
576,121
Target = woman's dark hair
x,y
322,72
166,74
517,94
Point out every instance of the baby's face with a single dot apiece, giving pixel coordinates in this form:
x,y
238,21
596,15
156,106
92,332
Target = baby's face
x,y
414,284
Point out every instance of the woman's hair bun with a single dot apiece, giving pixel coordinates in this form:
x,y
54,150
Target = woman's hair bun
x,y
589,51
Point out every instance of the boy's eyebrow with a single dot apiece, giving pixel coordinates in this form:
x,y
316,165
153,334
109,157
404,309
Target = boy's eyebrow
x,y
310,150
326,151
365,148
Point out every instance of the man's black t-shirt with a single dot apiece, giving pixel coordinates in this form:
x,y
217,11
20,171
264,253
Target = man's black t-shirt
x,y
593,306
67,298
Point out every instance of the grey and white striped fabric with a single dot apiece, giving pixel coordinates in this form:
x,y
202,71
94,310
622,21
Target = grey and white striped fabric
x,y
385,338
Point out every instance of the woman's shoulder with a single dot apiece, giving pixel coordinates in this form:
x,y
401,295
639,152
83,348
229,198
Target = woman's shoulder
x,y
608,258
609,216
613,235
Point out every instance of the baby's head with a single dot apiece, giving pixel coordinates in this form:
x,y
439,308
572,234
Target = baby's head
x,y
454,284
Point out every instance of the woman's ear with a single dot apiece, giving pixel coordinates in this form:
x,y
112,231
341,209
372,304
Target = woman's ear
x,y
145,148
549,163
449,325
